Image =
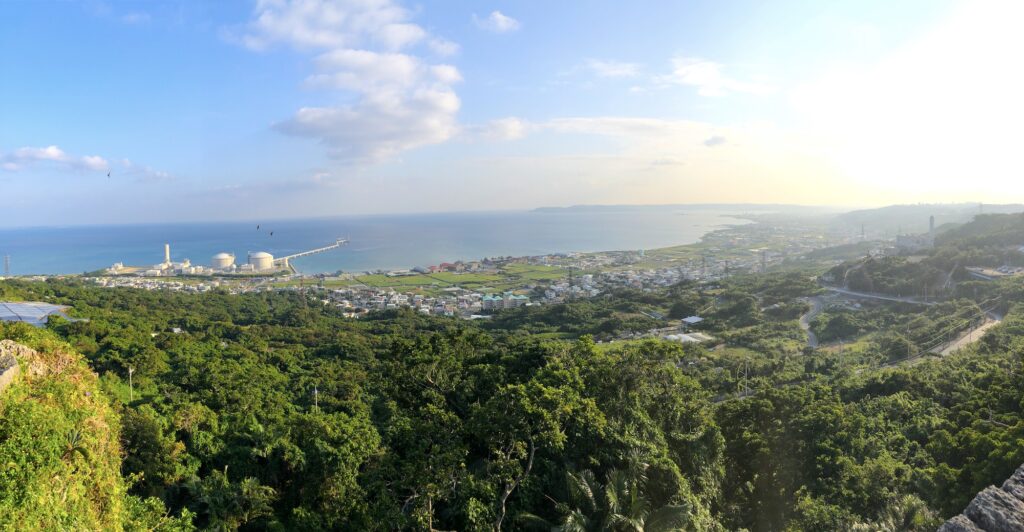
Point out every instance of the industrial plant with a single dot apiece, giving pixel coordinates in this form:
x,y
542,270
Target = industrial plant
x,y
221,263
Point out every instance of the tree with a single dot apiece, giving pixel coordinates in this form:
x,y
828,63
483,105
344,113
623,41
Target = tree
x,y
621,504
226,505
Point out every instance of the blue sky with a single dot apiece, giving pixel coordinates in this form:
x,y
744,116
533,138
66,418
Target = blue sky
x,y
275,108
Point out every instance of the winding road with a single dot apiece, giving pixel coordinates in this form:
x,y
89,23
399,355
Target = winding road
x,y
817,305
883,297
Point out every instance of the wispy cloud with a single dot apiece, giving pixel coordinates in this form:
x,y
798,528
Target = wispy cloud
x,y
714,140
136,18
30,157
509,128
612,69
22,158
496,22
142,173
709,78
312,24
403,102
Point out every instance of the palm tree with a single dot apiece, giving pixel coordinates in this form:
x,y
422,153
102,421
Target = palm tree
x,y
620,505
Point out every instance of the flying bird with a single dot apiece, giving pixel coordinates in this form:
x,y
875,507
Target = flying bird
x,y
257,227
108,174
271,233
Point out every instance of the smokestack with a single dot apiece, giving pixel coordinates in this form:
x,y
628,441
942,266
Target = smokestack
x,y
167,253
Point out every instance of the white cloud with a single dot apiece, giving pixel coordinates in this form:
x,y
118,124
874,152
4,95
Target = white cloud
x,y
613,69
402,102
308,24
443,47
380,125
497,22
509,128
24,157
365,71
708,78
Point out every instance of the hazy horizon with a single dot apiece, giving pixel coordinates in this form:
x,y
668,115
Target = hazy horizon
x,y
276,109
766,207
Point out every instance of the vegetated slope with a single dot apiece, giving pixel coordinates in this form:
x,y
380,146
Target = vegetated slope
x,y
990,240
59,445
988,230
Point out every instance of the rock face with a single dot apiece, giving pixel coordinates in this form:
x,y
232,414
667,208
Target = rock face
x,y
8,369
994,509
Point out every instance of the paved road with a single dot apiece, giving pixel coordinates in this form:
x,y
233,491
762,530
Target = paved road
x,y
969,337
805,321
883,297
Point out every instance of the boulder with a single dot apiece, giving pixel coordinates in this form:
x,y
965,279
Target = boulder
x,y
994,509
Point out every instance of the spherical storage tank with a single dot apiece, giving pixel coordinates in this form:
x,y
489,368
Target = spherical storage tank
x,y
223,261
261,260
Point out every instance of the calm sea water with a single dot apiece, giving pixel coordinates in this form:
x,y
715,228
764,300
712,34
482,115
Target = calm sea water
x,y
377,242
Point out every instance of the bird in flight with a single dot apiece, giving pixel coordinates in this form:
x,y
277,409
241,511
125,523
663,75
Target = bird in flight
x,y
257,227
108,174
271,233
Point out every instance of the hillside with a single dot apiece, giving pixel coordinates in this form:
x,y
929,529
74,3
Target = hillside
x,y
910,219
59,445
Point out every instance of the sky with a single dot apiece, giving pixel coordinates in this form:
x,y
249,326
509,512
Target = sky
x,y
295,108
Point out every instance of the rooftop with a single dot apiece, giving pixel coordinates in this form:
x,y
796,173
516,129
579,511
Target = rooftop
x,y
33,313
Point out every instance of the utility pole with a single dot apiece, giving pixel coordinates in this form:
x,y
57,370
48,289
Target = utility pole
x,y
909,343
131,387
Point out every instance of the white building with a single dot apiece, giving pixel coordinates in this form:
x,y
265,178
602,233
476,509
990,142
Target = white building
x,y
261,260
223,261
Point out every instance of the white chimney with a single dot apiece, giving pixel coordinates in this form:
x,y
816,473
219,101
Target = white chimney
x,y
167,253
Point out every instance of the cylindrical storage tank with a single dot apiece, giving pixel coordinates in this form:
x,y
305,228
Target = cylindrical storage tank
x,y
261,260
223,261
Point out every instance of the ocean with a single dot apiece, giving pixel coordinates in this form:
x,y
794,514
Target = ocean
x,y
377,242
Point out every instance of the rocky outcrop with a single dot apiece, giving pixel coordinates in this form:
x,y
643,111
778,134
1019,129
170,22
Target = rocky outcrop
x,y
8,369
994,509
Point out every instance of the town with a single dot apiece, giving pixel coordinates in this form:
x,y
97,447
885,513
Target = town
x,y
475,289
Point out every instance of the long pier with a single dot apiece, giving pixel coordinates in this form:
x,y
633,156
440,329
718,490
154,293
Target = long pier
x,y
284,261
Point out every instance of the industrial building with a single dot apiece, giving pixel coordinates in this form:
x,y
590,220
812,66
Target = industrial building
x,y
261,261
917,243
223,261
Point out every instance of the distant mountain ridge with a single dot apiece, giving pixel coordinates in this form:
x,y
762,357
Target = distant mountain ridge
x,y
911,219
744,207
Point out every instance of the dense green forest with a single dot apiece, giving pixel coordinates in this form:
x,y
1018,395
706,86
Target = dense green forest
x,y
272,411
